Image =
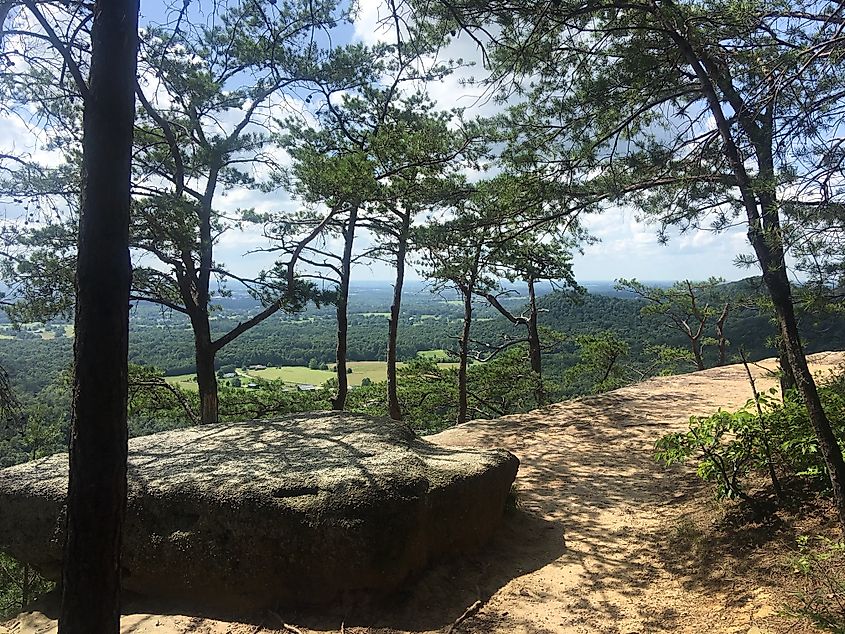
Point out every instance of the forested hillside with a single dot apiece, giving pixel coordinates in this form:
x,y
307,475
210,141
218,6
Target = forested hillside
x,y
39,358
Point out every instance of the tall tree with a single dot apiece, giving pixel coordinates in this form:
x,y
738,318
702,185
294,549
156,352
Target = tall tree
x,y
207,125
402,151
531,263
701,114
688,308
96,497
533,250
102,45
499,229
391,157
306,238
335,165
456,254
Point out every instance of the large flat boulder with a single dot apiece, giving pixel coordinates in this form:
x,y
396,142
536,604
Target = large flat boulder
x,y
300,510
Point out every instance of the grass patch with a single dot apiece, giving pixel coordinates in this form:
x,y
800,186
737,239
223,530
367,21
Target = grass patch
x,y
375,371
290,374
184,381
438,355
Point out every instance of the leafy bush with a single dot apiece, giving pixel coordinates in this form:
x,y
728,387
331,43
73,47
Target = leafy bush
x,y
726,444
793,434
729,446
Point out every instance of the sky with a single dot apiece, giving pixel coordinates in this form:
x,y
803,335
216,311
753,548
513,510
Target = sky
x,y
625,247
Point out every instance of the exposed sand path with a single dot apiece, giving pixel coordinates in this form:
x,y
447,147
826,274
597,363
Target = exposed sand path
x,y
581,556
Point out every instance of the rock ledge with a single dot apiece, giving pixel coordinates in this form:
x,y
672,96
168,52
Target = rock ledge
x,y
299,510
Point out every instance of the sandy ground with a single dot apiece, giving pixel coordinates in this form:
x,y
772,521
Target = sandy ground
x,y
585,551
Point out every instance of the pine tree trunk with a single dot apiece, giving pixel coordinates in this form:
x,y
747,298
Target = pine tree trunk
x,y
463,357
339,401
765,236
534,350
720,335
393,408
787,378
96,497
206,377
695,344
778,284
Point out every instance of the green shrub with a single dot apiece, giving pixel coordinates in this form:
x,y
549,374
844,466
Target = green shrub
x,y
20,585
725,444
729,446
793,434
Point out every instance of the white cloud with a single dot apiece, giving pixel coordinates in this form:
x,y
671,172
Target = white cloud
x,y
369,22
629,248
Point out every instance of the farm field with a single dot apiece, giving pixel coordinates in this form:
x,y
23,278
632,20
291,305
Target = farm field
x,y
438,355
290,374
376,371
46,333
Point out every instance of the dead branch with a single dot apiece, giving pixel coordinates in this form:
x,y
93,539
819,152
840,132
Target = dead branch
x,y
286,627
470,611
159,382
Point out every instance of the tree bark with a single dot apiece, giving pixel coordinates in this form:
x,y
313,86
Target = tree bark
x,y
777,283
205,352
720,335
533,334
96,498
339,401
534,350
695,345
463,356
393,407
786,378
765,236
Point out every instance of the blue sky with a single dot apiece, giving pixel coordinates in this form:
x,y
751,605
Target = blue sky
x,y
626,248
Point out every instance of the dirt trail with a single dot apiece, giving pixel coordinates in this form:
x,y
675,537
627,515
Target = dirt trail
x,y
583,553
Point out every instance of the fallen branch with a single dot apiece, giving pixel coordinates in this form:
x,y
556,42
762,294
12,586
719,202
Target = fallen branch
x,y
470,611
285,626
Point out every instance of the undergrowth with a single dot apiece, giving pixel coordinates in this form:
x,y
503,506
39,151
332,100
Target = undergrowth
x,y
820,564
773,439
20,585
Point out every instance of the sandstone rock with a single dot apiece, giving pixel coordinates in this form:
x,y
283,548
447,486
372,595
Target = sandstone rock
x,y
300,510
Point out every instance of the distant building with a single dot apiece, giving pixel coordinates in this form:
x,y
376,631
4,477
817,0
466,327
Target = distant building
x,y
305,387
257,366
254,386
230,375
